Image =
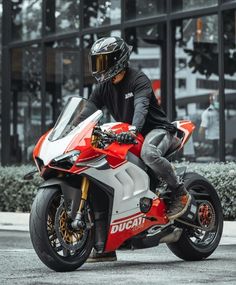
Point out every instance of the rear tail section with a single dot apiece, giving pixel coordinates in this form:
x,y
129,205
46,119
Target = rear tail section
x,y
187,127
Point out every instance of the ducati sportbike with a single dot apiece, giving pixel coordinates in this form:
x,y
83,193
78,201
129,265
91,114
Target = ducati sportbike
x,y
99,193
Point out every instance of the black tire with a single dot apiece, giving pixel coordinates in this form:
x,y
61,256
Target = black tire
x,y
45,205
185,248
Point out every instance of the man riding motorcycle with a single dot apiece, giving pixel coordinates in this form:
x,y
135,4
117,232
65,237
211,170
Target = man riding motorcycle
x,y
127,94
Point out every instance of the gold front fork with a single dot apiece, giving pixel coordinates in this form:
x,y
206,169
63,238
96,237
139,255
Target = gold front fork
x,y
78,223
84,195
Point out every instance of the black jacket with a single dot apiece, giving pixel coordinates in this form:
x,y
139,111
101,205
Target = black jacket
x,y
132,101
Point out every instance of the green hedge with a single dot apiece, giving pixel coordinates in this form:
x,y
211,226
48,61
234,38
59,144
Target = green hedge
x,y
223,178
17,194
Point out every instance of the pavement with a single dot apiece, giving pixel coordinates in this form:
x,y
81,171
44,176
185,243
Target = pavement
x,y
20,222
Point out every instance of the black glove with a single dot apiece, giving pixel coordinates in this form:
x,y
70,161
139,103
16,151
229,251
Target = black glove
x,y
126,137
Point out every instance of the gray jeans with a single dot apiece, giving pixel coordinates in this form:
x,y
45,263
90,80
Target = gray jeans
x,y
155,145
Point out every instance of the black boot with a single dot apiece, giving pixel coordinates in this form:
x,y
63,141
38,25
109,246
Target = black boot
x,y
180,202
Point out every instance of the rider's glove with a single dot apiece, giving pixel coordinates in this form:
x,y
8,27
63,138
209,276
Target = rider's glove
x,y
126,137
133,129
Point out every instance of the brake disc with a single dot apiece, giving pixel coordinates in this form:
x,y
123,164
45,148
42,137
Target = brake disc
x,y
206,215
69,238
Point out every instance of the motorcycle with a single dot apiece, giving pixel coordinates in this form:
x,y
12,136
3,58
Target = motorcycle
x,y
99,193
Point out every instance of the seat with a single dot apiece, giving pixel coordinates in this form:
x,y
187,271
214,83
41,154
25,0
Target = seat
x,y
174,147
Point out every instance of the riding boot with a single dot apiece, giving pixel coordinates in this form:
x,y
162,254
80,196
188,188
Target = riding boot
x,y
180,202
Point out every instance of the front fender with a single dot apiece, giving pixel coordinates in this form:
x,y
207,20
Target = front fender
x,y
72,195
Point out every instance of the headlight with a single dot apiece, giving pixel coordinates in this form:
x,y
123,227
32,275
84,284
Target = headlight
x,y
67,160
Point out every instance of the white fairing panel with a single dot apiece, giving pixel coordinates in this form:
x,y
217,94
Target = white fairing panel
x,y
130,183
52,149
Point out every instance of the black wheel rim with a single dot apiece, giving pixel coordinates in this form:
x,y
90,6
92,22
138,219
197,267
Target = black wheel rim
x,y
67,249
207,218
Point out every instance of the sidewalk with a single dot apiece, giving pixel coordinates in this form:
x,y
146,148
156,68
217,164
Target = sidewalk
x,y
20,222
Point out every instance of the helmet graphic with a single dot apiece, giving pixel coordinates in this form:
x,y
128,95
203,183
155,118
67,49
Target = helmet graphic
x,y
108,56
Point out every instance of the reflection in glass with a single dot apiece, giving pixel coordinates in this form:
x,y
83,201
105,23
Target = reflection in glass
x,y
196,84
229,20
26,102
0,75
62,15
182,5
26,19
101,12
136,9
148,45
62,75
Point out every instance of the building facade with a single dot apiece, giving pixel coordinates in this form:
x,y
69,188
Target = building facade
x,y
186,47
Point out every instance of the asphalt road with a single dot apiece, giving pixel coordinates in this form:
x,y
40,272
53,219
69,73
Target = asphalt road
x,y
20,265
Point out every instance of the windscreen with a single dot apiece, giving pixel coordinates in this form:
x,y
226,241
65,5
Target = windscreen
x,y
75,111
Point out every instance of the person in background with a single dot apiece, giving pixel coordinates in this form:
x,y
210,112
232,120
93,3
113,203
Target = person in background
x,y
127,94
209,127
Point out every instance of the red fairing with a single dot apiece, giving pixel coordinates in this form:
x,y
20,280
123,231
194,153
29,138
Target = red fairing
x,y
134,148
38,146
125,228
82,139
187,127
116,153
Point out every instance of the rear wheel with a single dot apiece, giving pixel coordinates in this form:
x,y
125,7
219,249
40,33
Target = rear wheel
x,y
56,243
196,243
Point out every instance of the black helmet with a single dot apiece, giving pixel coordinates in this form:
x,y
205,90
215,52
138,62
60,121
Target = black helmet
x,y
107,57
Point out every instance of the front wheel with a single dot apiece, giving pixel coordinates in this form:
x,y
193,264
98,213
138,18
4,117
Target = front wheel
x,y
58,246
195,243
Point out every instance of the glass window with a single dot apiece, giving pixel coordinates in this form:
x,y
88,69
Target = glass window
x,y
183,5
229,20
26,102
62,75
26,19
62,16
136,9
148,47
196,84
0,76
101,12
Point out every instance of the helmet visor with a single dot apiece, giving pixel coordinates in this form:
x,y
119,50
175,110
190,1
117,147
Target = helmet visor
x,y
100,63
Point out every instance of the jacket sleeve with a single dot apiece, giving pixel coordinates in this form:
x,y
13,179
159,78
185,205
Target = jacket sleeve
x,y
142,94
94,103
96,97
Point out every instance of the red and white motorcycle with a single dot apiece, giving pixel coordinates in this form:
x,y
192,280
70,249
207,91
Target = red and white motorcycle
x,y
98,193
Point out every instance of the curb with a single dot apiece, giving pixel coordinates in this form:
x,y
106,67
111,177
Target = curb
x,y
14,221
20,222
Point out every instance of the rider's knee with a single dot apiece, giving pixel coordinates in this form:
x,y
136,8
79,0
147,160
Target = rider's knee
x,y
150,156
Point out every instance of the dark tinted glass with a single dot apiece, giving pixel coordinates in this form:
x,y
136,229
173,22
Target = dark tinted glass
x,y
62,15
26,102
0,71
101,12
102,62
229,20
196,84
136,9
26,19
182,5
62,75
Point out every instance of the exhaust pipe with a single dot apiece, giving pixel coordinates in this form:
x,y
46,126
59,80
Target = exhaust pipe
x,y
172,237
